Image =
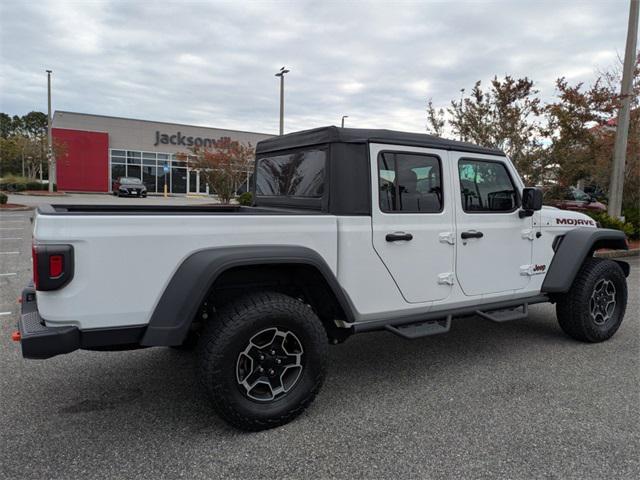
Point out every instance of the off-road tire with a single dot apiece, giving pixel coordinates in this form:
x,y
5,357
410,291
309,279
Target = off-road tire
x,y
228,334
573,308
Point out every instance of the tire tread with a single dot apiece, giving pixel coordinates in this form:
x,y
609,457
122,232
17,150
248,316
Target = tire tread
x,y
572,307
219,332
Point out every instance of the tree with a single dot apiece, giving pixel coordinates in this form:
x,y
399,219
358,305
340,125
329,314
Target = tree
x,y
6,125
435,120
23,140
224,167
581,129
505,116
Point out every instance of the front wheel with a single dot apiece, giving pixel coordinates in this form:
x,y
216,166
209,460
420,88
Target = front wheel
x,y
594,307
263,360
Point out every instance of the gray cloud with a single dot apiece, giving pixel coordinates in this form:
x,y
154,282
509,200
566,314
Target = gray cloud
x,y
212,63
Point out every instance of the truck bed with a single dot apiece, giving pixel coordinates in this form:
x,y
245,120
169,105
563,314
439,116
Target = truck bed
x,y
212,209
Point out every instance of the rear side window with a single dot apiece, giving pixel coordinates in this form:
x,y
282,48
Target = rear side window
x,y
486,186
296,174
409,182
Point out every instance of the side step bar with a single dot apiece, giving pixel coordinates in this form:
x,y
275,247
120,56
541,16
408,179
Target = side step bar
x,y
421,329
506,315
431,323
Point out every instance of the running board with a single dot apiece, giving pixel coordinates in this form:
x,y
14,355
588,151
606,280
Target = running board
x,y
506,315
421,329
395,324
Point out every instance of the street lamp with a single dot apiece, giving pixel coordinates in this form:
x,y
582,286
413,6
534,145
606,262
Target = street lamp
x,y
280,74
343,117
51,160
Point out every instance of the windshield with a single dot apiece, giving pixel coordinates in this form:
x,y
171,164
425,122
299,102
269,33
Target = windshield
x,y
130,180
579,195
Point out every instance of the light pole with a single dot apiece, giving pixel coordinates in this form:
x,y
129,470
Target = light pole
x,y
622,130
280,74
343,117
50,159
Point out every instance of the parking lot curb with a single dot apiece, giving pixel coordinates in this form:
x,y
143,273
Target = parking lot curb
x,y
16,209
634,252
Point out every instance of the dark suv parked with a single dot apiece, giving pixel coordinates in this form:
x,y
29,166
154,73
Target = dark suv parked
x,y
128,186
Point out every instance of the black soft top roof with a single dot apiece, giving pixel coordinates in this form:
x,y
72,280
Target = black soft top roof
x,y
318,136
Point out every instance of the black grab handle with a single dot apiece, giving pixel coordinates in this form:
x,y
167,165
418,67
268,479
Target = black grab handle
x,y
466,235
397,236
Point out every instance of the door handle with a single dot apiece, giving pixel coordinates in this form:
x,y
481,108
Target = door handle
x,y
398,236
471,234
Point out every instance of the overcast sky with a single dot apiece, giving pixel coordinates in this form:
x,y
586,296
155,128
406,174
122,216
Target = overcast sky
x,y
213,63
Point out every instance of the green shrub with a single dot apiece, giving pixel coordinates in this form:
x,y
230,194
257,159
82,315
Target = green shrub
x,y
632,216
12,187
246,199
609,222
13,183
32,185
3,198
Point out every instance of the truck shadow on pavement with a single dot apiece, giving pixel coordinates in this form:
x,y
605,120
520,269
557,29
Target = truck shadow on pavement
x,y
162,382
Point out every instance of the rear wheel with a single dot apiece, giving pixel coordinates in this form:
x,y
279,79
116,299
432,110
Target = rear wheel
x,y
263,359
594,307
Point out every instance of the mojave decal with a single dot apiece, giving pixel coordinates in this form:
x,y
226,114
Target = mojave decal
x,y
575,222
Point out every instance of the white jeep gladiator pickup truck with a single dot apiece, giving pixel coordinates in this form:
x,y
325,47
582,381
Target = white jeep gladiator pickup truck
x,y
351,231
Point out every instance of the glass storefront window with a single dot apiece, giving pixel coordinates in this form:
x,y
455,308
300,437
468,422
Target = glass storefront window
x,y
162,178
150,168
134,171
117,171
193,181
179,180
149,175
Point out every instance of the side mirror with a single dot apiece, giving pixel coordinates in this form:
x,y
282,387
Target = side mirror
x,y
531,201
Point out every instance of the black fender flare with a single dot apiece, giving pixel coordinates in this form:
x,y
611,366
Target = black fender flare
x,y
575,246
185,292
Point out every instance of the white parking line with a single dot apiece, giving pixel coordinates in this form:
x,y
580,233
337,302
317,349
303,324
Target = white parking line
x,y
4,222
7,274
12,228
10,238
9,253
2,314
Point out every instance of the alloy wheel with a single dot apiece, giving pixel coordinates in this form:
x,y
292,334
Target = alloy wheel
x,y
270,365
602,303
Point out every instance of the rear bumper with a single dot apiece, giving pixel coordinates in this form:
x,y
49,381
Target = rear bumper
x,y
38,340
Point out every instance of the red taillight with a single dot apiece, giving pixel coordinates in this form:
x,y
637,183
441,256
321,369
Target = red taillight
x,y
56,266
34,260
52,266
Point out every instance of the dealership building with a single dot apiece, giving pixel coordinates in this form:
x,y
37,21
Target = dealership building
x,y
92,150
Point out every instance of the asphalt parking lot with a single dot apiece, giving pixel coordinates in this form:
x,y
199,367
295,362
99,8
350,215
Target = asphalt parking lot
x,y
515,400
